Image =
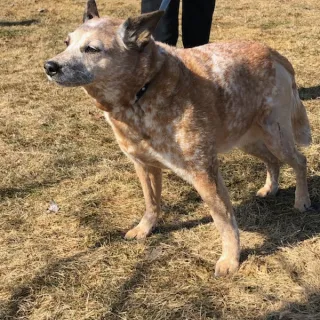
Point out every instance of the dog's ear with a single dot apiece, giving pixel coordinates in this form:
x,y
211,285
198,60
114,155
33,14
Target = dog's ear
x,y
91,11
136,32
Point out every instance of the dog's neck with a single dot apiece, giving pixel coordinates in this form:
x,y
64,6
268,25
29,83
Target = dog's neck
x,y
158,66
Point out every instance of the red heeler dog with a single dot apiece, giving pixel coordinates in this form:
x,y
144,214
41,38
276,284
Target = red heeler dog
x,y
178,108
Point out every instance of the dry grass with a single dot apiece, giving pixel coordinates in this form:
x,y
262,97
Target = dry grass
x,y
75,264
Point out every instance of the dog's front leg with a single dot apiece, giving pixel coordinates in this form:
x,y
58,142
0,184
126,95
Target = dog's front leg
x,y
151,182
213,191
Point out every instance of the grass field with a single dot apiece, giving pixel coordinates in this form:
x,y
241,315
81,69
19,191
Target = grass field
x,y
55,145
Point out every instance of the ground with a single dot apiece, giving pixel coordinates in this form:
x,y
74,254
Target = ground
x,y
75,263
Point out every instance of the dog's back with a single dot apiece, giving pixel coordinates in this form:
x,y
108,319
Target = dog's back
x,y
236,85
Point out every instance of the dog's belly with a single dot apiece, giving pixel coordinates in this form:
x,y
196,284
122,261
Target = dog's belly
x,y
250,136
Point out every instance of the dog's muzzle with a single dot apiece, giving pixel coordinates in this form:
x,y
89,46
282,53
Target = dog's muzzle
x,y
51,68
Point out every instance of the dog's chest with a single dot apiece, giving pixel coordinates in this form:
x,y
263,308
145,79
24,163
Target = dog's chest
x,y
143,137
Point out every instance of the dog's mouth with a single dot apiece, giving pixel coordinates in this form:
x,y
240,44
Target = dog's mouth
x,y
53,79
57,80
65,80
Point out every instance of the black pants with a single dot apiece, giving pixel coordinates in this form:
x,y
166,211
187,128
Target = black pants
x,y
196,21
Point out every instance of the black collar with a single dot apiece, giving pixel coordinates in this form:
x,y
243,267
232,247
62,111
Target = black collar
x,y
141,92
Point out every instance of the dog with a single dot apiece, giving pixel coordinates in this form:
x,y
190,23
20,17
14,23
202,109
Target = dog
x,y
178,109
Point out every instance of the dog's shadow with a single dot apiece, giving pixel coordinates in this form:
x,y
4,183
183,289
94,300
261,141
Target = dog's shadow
x,y
309,309
274,217
281,224
282,227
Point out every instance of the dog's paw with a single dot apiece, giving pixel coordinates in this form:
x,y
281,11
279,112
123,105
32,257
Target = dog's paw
x,y
138,233
303,204
267,191
226,266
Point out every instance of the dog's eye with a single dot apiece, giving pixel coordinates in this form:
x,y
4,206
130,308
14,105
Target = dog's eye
x,y
90,49
67,42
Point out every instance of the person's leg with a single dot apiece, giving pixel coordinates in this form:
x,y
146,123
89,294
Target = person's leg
x,y
196,22
167,29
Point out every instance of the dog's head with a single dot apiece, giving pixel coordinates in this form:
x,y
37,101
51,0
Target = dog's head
x,y
102,49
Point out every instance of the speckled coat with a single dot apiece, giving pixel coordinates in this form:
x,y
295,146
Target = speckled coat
x,y
198,102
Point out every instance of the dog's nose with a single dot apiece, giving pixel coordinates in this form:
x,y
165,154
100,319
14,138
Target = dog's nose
x,y
51,68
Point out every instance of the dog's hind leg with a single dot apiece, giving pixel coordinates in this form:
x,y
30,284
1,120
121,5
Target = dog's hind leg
x,y
213,191
259,150
151,182
279,139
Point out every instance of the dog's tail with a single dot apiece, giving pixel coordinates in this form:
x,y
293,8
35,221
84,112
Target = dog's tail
x,y
300,121
299,118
